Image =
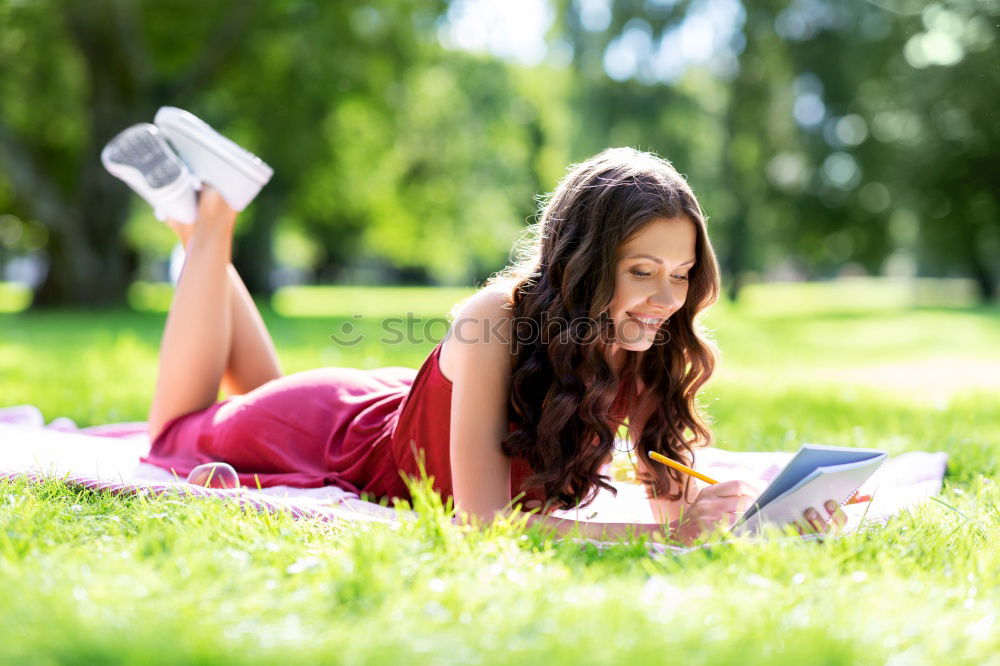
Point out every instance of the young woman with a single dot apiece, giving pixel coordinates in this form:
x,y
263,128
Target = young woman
x,y
517,407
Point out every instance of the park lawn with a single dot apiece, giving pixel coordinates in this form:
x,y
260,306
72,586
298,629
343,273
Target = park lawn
x,y
96,579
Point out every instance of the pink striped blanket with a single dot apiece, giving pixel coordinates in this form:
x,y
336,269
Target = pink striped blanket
x,y
106,458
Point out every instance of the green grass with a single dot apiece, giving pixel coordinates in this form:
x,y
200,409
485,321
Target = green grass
x,y
14,297
96,579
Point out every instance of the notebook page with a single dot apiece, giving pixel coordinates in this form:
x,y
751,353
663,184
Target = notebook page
x,y
806,460
817,473
836,482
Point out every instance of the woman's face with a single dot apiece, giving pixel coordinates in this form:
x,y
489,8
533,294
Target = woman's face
x,y
651,282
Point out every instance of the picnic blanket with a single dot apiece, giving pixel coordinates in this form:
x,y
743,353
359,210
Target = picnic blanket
x,y
106,458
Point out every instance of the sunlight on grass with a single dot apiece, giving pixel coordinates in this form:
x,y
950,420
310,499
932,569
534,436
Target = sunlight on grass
x,y
853,294
366,301
14,296
94,578
108,578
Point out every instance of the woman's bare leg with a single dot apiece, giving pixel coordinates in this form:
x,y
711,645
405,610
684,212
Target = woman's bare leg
x,y
197,338
253,359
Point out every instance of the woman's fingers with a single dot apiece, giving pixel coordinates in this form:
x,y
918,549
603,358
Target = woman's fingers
x,y
815,523
726,502
814,520
716,510
726,498
837,514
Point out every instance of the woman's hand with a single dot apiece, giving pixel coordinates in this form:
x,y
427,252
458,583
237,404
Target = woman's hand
x,y
722,504
813,523
716,506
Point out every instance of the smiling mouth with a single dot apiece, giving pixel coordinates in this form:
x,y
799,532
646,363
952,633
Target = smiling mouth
x,y
650,322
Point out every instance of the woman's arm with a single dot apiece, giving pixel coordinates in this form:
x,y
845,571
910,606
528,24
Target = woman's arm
x,y
667,510
600,531
715,506
479,359
664,510
480,363
478,346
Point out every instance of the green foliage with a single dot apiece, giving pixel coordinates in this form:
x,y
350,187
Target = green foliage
x,y
397,156
384,146
895,160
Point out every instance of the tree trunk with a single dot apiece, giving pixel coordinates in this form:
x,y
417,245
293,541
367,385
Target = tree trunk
x,y
90,263
746,115
986,281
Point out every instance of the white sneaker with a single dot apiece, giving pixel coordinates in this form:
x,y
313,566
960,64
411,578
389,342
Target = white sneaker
x,y
236,173
141,157
177,257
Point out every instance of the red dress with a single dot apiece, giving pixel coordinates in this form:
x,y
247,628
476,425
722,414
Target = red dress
x,y
346,427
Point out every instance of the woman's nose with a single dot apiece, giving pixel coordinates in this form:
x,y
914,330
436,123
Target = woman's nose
x,y
665,298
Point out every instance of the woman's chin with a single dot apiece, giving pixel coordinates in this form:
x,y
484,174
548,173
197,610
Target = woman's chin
x,y
636,342
640,346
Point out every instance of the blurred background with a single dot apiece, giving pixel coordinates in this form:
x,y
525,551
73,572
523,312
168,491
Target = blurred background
x,y
410,138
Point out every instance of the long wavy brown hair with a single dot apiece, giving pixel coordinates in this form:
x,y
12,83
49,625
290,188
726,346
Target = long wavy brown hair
x,y
563,389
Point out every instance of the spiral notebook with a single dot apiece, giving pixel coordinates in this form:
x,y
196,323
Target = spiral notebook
x,y
814,475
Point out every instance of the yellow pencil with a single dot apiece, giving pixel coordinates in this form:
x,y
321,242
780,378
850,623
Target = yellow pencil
x,y
683,468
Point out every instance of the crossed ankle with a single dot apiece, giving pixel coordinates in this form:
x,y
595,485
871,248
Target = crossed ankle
x,y
181,230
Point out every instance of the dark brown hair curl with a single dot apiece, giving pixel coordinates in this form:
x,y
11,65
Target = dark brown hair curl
x,y
562,387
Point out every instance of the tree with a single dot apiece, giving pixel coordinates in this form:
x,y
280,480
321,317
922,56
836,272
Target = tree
x,y
85,70
837,119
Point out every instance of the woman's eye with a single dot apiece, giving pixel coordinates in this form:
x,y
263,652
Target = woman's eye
x,y
643,274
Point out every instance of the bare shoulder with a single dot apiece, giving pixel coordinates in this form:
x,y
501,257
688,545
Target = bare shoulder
x,y
476,357
481,318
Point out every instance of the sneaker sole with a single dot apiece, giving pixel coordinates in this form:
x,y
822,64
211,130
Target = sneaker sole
x,y
138,158
178,122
